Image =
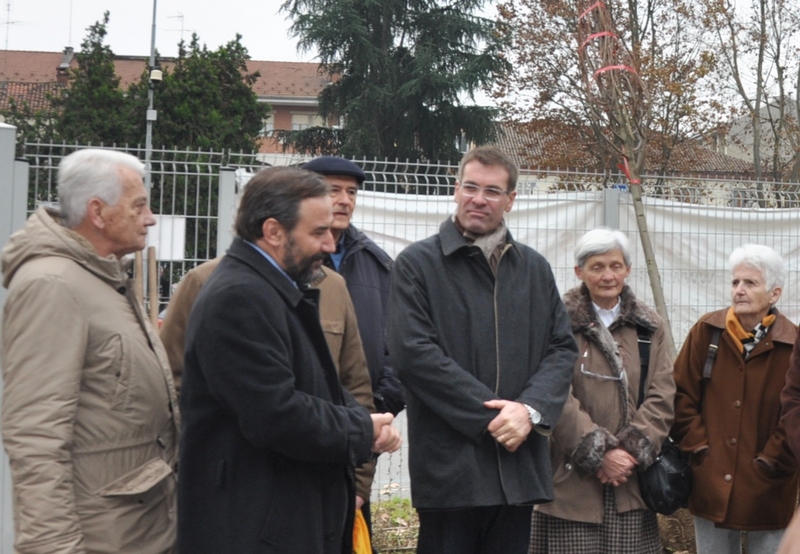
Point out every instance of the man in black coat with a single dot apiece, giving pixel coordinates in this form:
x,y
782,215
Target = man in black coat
x,y
269,437
483,345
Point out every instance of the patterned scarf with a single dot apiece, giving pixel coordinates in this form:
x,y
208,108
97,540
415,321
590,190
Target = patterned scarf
x,y
491,244
747,341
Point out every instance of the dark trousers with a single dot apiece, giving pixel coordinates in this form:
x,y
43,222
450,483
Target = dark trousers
x,y
484,530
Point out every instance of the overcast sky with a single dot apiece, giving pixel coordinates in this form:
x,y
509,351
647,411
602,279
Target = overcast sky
x,y
50,25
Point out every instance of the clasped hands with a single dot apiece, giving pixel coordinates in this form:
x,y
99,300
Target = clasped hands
x,y
511,427
617,466
385,437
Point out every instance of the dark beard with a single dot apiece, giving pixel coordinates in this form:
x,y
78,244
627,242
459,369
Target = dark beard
x,y
304,270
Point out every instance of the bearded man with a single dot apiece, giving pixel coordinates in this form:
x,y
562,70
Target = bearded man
x,y
270,437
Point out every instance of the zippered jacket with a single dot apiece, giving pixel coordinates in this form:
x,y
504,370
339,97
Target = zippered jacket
x,y
90,417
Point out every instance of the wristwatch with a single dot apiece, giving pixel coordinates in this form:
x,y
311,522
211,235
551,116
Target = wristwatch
x,y
536,417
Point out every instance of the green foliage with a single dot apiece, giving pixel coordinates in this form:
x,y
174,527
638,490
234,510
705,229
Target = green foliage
x,y
395,525
206,101
92,108
313,141
399,70
32,126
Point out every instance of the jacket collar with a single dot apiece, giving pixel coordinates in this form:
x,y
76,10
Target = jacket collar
x,y
355,240
780,331
245,253
632,312
452,240
44,236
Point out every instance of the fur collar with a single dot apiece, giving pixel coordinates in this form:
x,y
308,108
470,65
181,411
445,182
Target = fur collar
x,y
632,311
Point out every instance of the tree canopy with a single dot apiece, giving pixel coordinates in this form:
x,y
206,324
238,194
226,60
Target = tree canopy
x,y
758,44
668,41
206,100
399,71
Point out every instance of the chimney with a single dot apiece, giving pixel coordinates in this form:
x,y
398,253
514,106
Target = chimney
x,y
62,71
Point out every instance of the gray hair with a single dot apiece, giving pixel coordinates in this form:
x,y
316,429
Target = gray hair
x,y
601,241
762,258
91,173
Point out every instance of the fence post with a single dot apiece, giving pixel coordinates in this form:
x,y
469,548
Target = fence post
x,y
226,208
611,208
13,191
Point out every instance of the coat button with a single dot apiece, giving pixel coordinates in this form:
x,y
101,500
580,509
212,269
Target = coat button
x,y
728,477
161,442
733,441
737,404
568,467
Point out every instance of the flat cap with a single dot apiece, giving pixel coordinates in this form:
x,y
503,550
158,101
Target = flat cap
x,y
332,165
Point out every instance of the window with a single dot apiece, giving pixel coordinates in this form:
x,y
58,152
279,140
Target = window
x,y
268,127
302,121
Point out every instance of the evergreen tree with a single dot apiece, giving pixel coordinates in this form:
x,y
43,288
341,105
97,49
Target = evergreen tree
x,y
399,70
92,108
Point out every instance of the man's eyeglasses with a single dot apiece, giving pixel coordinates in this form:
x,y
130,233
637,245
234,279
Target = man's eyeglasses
x,y
491,194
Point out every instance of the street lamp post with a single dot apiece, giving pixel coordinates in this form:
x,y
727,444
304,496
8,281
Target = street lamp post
x,y
155,77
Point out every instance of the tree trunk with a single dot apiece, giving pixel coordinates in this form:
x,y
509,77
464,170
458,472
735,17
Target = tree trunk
x,y
652,266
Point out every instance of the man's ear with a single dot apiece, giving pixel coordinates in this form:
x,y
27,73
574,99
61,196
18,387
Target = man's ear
x,y
274,233
94,212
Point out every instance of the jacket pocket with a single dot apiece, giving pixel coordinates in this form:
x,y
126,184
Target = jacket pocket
x,y
138,481
334,336
122,373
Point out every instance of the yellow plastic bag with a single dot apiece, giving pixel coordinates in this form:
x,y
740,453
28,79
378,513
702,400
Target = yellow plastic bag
x,y
361,542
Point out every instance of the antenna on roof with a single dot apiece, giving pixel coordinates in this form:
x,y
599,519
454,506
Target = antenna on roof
x,y
179,16
8,23
69,43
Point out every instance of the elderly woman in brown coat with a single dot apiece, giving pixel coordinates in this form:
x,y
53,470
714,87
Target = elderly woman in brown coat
x,y
744,475
607,433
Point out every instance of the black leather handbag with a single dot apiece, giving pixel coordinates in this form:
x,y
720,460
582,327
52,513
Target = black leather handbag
x,y
665,485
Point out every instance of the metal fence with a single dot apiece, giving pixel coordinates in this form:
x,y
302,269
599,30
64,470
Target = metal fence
x,y
694,221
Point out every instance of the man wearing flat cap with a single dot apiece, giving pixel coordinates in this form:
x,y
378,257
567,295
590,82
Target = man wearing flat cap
x,y
366,268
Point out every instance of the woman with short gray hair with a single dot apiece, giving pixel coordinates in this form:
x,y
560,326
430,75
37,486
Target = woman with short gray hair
x,y
744,477
608,431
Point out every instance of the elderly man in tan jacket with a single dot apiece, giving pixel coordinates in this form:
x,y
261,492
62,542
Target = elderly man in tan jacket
x,y
90,417
338,320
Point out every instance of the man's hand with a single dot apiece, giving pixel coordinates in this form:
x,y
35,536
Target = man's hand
x,y
617,466
385,437
512,425
359,502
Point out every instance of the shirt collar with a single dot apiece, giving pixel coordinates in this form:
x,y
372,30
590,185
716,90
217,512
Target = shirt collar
x,y
607,317
271,260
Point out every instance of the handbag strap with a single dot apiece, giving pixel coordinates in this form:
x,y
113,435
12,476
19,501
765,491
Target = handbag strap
x,y
644,340
711,355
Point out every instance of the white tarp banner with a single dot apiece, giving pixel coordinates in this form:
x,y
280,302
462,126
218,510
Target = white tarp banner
x,y
692,242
